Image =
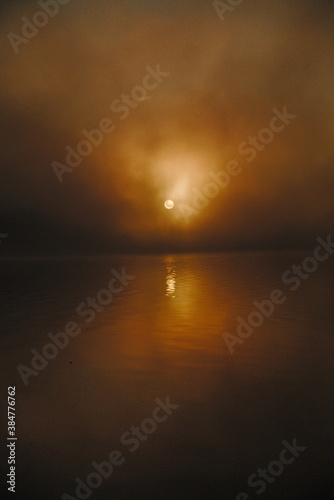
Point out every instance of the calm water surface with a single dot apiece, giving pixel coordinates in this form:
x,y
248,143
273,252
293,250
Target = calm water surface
x,y
163,336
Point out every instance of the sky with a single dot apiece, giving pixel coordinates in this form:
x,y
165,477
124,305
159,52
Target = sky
x,y
214,78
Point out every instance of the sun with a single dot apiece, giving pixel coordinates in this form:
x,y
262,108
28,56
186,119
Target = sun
x,y
169,204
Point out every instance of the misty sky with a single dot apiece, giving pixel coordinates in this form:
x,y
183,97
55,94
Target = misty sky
x,y
223,78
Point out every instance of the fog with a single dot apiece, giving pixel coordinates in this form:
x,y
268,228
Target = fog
x,y
221,82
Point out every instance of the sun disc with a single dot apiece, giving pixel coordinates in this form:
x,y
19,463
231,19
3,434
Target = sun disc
x,y
169,204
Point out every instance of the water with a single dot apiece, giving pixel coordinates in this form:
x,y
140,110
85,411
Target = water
x,y
163,336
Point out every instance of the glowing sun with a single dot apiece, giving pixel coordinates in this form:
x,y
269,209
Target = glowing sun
x,y
169,204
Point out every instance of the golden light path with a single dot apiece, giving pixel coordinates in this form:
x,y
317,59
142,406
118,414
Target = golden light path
x,y
169,204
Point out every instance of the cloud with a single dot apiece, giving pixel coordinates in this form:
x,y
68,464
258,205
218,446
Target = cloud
x,y
225,79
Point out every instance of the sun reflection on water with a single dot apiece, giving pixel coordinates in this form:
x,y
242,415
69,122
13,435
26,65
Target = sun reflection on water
x,y
170,277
